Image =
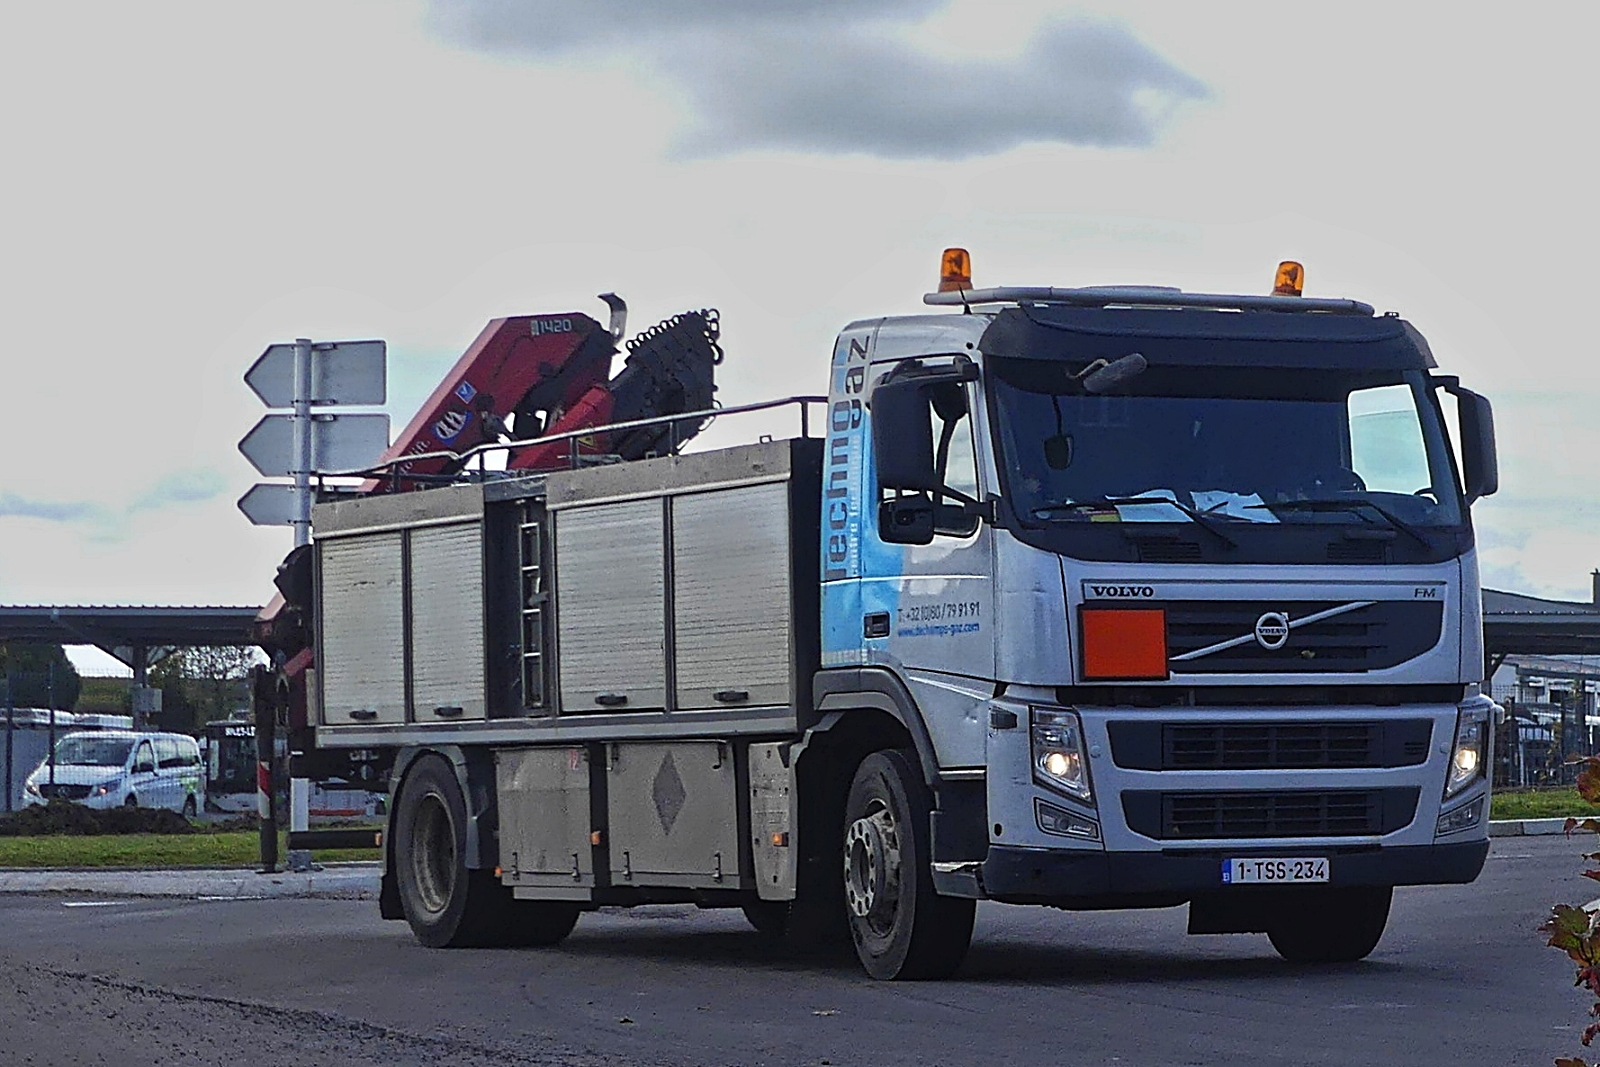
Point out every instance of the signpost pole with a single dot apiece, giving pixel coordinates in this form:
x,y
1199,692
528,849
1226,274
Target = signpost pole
x,y
10,728
50,689
302,441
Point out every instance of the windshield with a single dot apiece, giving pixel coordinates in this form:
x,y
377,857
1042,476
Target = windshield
x,y
1247,445
93,751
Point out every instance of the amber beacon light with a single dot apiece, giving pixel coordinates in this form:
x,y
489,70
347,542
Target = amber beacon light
x,y
1291,280
955,270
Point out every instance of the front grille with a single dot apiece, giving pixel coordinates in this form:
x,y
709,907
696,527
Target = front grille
x,y
61,791
1158,746
1263,814
1373,637
1162,550
1358,552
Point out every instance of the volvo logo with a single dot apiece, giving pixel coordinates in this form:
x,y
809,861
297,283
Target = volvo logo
x,y
1272,630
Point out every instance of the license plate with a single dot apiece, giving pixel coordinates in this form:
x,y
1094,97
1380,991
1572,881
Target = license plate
x,y
1275,871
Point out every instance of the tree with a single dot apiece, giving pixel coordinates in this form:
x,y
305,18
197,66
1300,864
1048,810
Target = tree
x,y
201,684
28,664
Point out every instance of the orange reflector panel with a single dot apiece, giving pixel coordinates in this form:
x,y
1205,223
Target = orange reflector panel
x,y
1122,644
1291,280
499,872
596,837
955,270
780,840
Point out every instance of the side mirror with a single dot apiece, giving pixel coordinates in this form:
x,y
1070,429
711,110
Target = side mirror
x,y
902,437
144,767
906,520
1479,460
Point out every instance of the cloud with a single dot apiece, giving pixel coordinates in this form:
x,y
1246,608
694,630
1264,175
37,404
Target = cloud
x,y
180,487
544,27
12,505
842,77
110,524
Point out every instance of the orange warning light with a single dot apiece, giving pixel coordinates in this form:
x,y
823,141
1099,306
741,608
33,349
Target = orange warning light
x,y
1291,280
1122,644
955,270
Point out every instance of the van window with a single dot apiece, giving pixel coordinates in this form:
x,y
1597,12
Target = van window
x,y
167,755
191,752
144,755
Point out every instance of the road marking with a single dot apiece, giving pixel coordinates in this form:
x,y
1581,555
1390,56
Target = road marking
x,y
92,903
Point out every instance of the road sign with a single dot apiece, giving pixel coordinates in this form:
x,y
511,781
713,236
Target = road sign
x,y
270,504
342,372
338,443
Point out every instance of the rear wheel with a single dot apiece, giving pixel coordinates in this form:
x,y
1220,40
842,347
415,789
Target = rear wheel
x,y
190,808
902,929
1330,925
447,905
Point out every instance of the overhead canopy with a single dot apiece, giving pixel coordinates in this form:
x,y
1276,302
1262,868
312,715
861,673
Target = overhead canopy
x,y
134,635
1515,624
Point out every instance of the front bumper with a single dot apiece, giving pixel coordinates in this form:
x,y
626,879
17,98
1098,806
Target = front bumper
x,y
1131,879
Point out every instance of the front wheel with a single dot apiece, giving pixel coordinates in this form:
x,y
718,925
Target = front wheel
x,y
1331,925
902,929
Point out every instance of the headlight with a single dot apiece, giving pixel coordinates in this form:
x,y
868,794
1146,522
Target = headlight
x,y
1471,751
105,787
31,789
1058,753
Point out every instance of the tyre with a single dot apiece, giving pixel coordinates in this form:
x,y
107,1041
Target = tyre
x,y
901,928
1331,925
447,905
190,808
769,917
131,802
535,923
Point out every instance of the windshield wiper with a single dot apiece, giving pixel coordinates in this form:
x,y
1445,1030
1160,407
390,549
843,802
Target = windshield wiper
x,y
1352,506
1206,522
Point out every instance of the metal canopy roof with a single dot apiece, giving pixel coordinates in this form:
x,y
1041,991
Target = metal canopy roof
x,y
129,632
1515,624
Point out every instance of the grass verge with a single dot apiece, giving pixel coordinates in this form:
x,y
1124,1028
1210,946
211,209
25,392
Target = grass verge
x,y
228,849
1540,804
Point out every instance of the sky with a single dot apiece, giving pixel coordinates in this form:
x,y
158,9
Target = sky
x,y
188,182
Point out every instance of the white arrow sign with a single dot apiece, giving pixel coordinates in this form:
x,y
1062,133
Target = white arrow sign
x,y
338,443
342,372
270,505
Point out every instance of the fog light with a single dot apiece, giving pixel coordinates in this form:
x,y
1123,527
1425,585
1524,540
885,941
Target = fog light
x,y
1463,818
1059,821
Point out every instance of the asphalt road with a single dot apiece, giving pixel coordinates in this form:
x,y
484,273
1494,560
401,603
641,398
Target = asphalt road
x,y
1461,977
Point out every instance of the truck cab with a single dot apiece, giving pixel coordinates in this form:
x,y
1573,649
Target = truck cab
x,y
1179,591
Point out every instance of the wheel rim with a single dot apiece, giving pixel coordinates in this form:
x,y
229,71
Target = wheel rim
x,y
433,853
872,869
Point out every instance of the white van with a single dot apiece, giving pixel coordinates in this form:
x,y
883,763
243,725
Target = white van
x,y
109,768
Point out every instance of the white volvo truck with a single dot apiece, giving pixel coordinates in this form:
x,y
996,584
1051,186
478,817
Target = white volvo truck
x,y
1091,598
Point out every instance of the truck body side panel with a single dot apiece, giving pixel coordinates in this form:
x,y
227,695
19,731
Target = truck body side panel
x,y
732,630
673,818
544,819
446,572
363,630
611,607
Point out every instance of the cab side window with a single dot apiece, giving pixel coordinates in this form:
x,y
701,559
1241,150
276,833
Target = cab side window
x,y
145,757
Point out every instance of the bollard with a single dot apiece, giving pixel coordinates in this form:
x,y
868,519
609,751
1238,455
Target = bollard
x,y
264,699
299,821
